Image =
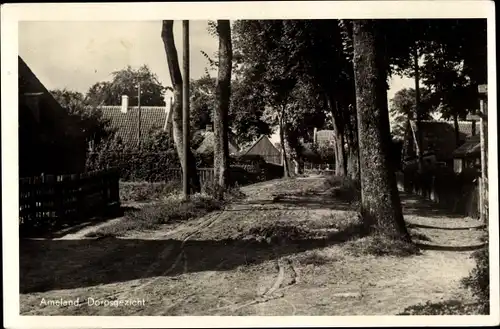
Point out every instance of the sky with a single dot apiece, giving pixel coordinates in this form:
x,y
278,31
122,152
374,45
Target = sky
x,y
75,55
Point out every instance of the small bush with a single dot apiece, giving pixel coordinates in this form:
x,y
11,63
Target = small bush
x,y
451,307
478,280
171,210
130,191
382,245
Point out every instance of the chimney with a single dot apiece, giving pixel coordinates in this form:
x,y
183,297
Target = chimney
x,y
314,136
208,128
124,104
473,128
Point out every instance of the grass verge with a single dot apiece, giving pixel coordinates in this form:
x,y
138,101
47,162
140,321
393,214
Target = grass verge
x,y
142,191
172,209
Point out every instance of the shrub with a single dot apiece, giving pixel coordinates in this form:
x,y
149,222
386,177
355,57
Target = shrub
x,y
131,191
451,307
478,280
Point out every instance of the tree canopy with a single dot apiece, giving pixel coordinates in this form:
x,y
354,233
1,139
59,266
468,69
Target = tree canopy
x,y
125,82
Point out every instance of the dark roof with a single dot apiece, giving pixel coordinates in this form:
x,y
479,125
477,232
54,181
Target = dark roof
x,y
52,116
471,148
207,145
439,136
127,124
262,146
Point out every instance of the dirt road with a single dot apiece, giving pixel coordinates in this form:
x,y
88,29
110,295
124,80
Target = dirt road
x,y
278,252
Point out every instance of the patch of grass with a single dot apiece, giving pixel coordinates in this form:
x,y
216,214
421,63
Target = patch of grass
x,y
478,280
419,236
172,209
315,258
231,193
142,191
344,188
382,245
278,232
450,307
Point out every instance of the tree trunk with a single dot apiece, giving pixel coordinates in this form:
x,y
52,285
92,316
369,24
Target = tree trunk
x,y
223,93
380,203
340,163
353,163
284,151
176,77
457,130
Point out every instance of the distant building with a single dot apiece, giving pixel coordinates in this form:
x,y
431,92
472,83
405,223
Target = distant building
x,y
133,124
208,142
468,155
264,148
324,137
438,140
50,140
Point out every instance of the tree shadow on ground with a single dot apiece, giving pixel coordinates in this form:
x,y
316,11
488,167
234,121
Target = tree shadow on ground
x,y
55,232
303,201
67,264
426,246
418,206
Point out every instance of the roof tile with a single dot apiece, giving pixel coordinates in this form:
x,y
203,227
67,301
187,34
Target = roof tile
x,y
127,124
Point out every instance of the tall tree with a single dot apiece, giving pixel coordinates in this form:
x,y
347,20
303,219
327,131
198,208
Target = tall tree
x,y
380,203
125,82
403,108
167,36
94,126
223,95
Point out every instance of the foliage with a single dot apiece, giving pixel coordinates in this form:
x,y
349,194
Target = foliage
x,y
202,102
449,307
453,52
402,109
94,126
142,191
478,280
125,82
149,163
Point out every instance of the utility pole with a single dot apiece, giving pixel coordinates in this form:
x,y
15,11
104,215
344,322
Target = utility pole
x,y
483,132
185,108
139,110
418,113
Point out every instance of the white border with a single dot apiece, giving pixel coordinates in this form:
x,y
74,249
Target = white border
x,y
11,14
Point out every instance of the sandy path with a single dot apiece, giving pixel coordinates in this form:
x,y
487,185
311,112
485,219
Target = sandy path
x,y
222,265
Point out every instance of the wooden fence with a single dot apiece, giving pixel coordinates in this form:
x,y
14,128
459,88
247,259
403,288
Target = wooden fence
x,y
58,200
457,193
206,174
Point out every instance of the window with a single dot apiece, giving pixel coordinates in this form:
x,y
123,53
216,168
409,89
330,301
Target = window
x,y
457,165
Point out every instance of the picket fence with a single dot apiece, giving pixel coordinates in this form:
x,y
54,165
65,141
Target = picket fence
x,y
57,200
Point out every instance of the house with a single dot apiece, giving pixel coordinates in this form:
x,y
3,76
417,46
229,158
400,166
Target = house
x,y
264,148
468,155
324,137
132,124
208,142
50,140
438,140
